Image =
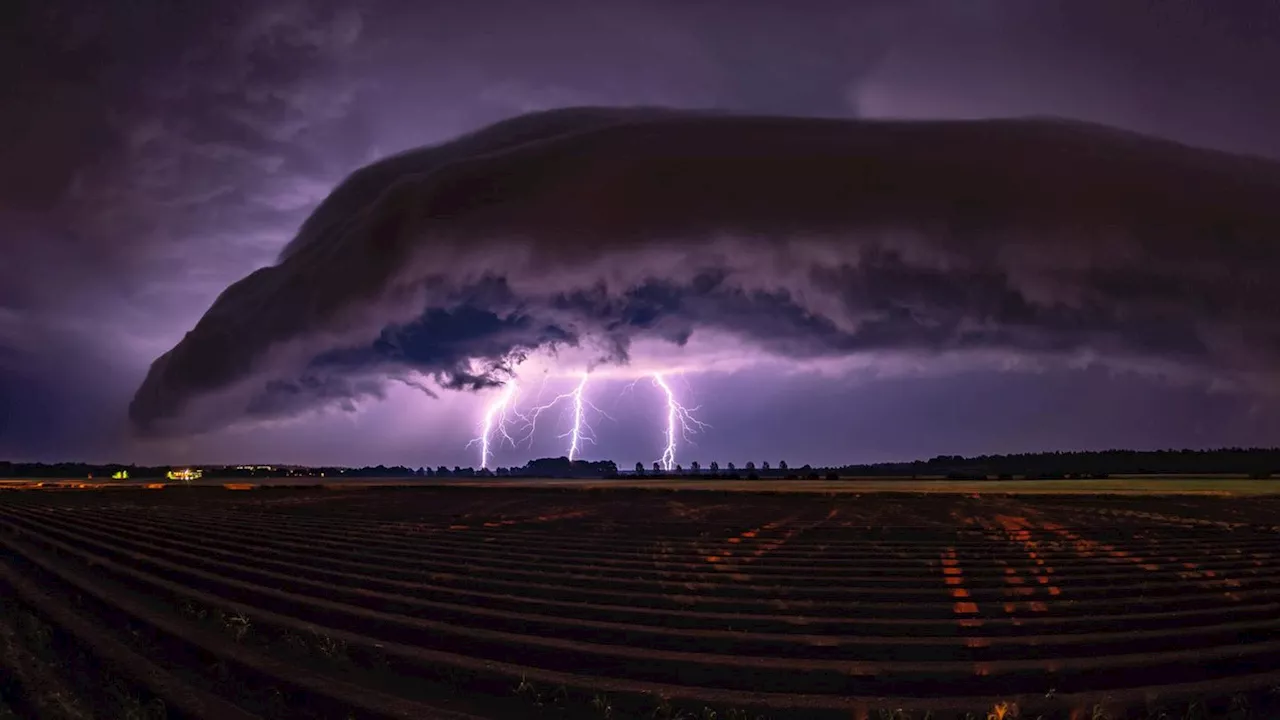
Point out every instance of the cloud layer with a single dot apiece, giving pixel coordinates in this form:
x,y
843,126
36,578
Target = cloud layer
x,y
801,237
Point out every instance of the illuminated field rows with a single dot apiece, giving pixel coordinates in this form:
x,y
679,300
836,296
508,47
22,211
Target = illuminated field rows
x,y
774,604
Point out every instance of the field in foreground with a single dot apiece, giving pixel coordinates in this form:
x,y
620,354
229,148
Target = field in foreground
x,y
612,603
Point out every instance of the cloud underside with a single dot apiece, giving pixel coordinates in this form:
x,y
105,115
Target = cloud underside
x,y
802,238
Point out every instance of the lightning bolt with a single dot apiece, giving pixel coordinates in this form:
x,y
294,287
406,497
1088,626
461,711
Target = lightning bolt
x,y
579,431
575,432
677,416
495,420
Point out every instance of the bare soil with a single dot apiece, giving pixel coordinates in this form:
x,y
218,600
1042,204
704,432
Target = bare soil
x,y
580,602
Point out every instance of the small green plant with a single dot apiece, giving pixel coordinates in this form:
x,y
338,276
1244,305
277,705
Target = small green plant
x,y
529,691
664,710
1196,711
193,610
327,646
237,624
602,706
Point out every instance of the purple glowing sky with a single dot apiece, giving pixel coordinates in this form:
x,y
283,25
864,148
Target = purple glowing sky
x,y
156,153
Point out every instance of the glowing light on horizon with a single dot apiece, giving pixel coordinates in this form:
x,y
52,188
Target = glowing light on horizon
x,y
495,420
677,415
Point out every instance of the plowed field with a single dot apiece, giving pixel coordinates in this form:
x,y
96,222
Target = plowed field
x,y
510,602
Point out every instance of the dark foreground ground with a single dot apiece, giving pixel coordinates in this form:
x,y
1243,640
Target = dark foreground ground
x,y
615,603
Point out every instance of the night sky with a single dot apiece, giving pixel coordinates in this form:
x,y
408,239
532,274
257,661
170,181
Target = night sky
x,y
329,232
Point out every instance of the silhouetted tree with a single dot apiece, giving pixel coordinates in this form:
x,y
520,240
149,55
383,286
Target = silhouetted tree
x,y
679,469
751,465
782,465
1254,462
639,468
694,466
715,466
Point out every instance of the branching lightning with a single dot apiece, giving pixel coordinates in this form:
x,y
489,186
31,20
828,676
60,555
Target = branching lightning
x,y
678,416
680,420
495,421
580,430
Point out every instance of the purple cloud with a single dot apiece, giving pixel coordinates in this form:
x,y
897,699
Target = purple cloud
x,y
801,237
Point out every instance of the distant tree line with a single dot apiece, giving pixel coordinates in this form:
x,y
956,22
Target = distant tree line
x,y
1255,462
544,467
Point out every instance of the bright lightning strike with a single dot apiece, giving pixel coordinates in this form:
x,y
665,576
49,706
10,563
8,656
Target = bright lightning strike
x,y
677,415
579,431
575,433
680,421
495,420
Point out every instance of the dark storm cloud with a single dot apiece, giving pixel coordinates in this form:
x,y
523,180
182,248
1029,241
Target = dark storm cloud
x,y
137,139
802,237
153,151
156,150
1193,70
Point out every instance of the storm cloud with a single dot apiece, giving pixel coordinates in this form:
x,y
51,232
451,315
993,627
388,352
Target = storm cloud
x,y
800,237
